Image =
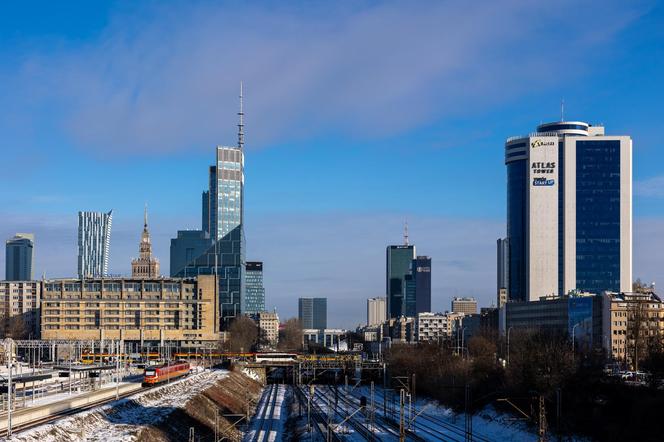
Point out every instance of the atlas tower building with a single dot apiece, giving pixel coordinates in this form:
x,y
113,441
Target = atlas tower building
x,y
569,211
223,227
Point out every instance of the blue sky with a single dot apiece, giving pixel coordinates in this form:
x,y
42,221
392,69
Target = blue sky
x,y
359,115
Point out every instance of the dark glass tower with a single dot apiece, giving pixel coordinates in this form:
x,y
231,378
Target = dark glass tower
x,y
312,313
19,256
399,263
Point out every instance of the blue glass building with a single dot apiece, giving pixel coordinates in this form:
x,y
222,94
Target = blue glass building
x,y
569,211
19,256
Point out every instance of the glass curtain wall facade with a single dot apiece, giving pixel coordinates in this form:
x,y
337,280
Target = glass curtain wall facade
x,y
19,255
580,232
94,242
399,262
598,216
312,313
225,256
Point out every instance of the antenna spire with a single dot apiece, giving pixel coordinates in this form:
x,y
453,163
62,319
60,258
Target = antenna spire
x,y
145,216
240,126
405,233
562,109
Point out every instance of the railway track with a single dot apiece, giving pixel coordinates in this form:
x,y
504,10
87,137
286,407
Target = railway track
x,y
431,426
267,416
70,412
318,417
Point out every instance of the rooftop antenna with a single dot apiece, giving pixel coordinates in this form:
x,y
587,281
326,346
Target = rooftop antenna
x,y
405,233
562,110
240,126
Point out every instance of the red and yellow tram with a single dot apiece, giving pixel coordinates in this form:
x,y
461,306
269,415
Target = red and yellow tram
x,y
162,373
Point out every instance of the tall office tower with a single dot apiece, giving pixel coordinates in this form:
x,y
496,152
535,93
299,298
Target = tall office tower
x,y
569,211
399,264
145,266
94,241
254,300
312,313
502,259
376,310
421,270
205,211
467,306
225,257
19,256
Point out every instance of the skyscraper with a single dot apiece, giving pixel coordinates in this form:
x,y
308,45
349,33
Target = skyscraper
x,y
145,266
224,206
376,310
19,256
421,270
254,300
312,313
569,211
94,241
502,260
399,263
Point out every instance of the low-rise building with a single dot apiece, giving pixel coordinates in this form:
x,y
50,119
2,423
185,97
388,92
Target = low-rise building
x,y
466,306
328,337
576,315
631,321
435,327
143,312
268,324
19,308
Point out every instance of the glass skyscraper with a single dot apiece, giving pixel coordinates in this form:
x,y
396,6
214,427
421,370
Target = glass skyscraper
x,y
254,299
569,211
94,242
399,263
19,255
312,313
222,215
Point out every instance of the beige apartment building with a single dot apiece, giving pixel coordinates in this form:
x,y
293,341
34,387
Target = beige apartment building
x,y
142,311
631,321
19,309
268,324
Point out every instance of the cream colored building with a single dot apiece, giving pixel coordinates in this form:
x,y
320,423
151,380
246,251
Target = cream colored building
x,y
19,301
268,324
628,317
145,266
141,311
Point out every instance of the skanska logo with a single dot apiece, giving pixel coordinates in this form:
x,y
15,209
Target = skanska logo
x,y
541,143
541,181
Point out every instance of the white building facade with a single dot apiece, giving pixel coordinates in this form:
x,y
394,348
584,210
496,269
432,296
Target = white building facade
x,y
569,211
94,242
376,311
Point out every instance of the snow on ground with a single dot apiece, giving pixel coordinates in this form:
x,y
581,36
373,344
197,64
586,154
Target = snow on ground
x,y
488,422
120,421
269,422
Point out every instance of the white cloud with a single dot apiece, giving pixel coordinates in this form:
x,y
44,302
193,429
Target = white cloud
x,y
168,79
650,187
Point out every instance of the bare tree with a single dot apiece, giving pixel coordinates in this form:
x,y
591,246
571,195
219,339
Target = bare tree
x,y
244,335
290,336
16,328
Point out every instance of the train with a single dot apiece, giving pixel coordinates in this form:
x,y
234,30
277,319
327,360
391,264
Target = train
x,y
163,373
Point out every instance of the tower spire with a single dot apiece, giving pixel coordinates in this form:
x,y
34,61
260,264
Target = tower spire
x,y
240,126
405,233
145,216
